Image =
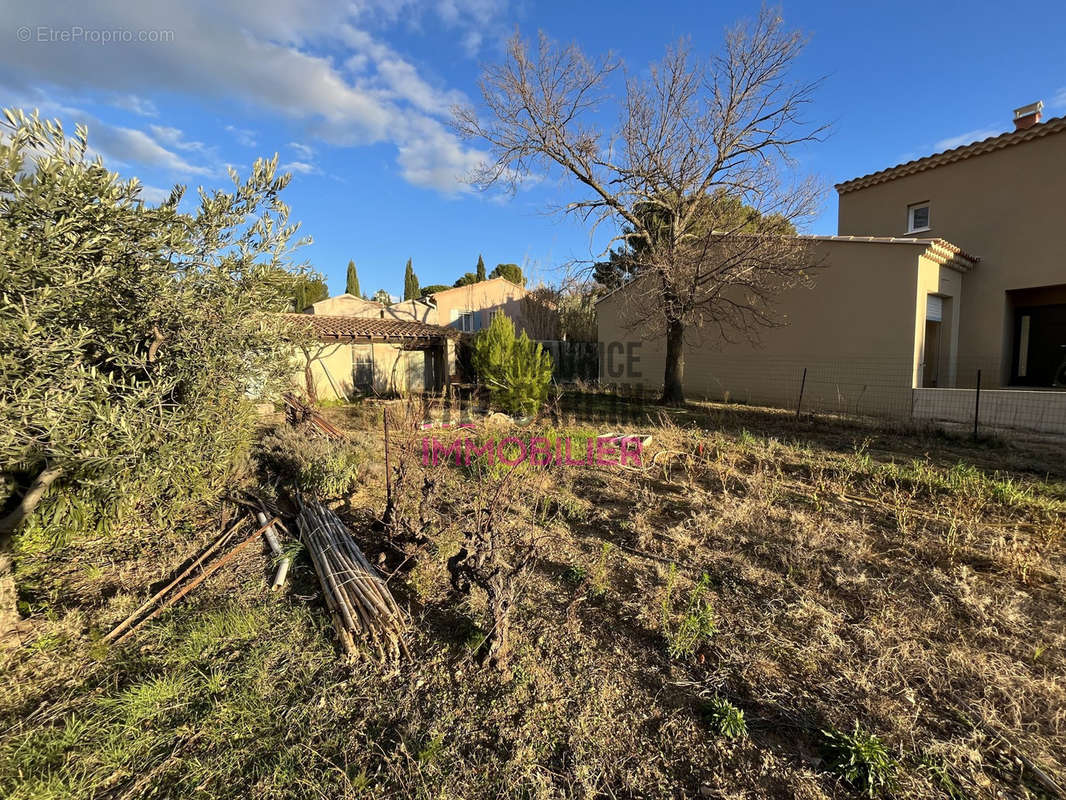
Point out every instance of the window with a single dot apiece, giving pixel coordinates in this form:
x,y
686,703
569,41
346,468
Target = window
x,y
363,367
466,321
918,218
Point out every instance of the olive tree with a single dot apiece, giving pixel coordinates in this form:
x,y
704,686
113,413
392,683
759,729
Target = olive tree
x,y
694,138
134,337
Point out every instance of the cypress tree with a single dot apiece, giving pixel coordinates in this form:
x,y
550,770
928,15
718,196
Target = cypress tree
x,y
352,286
480,268
410,283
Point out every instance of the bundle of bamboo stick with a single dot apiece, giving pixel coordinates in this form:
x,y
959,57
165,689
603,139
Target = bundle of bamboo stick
x,y
358,599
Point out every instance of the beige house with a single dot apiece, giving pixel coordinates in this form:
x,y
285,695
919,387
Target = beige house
x,y
471,308
364,347
847,343
943,266
365,355
1001,199
346,305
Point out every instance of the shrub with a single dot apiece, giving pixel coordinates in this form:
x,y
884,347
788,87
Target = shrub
x,y
725,718
310,463
686,625
515,370
861,759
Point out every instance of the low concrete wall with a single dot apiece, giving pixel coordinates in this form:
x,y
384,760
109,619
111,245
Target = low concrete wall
x,y
1044,412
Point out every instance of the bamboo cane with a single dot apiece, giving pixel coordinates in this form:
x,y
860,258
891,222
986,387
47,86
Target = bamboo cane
x,y
343,635
151,600
214,567
350,583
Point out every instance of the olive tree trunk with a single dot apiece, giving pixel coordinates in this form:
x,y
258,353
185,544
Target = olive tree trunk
x,y
8,612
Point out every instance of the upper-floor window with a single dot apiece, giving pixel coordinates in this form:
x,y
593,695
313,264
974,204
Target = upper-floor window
x,y
918,218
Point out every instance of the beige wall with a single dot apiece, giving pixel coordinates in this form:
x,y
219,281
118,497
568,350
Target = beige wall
x,y
857,331
411,310
1007,208
485,297
396,371
347,305
946,283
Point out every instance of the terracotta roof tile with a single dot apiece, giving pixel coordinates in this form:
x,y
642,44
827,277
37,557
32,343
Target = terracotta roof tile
x,y
343,327
989,145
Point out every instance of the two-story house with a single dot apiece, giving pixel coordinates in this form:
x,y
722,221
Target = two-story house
x,y
943,268
1003,200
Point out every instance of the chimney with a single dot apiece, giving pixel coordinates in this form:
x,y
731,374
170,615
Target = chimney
x,y
1027,116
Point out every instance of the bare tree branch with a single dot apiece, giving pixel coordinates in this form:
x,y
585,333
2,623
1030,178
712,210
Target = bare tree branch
x,y
696,175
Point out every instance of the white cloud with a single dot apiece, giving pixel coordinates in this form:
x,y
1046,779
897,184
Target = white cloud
x,y
125,146
472,42
313,63
154,194
303,167
1058,100
173,137
243,136
433,157
966,138
141,106
302,150
121,147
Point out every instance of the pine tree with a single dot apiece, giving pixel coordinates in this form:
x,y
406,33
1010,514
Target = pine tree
x,y
511,272
515,370
410,283
352,287
480,268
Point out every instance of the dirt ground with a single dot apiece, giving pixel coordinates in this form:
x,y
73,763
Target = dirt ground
x,y
817,577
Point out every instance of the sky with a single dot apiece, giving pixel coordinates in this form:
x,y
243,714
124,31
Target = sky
x,y
356,98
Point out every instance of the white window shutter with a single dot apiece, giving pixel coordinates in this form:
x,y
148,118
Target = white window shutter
x,y
934,308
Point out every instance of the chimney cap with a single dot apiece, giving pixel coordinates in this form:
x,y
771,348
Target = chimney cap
x,y
1032,108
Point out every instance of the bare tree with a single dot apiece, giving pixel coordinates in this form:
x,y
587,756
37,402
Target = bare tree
x,y
695,140
540,314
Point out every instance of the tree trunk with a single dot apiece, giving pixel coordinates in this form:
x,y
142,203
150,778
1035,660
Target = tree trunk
x,y
673,387
9,617
25,507
497,653
309,379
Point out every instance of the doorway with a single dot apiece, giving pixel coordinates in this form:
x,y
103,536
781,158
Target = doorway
x,y
931,370
1039,357
934,321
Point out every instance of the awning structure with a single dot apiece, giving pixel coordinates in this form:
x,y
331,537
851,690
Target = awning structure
x,y
357,330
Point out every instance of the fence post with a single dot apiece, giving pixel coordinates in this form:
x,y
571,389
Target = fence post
x,y
977,405
803,385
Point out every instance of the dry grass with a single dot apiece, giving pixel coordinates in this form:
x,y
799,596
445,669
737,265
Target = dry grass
x,y
911,585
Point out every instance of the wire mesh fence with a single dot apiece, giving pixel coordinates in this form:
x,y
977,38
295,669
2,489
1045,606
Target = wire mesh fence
x,y
965,396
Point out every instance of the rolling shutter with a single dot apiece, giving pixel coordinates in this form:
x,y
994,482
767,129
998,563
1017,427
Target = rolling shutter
x,y
934,308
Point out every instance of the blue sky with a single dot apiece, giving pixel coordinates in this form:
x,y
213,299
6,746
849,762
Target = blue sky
x,y
355,97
